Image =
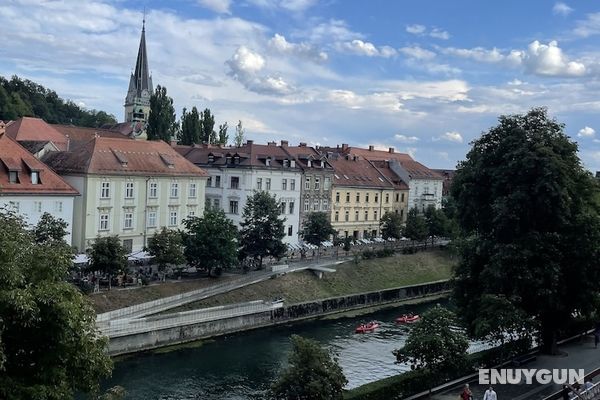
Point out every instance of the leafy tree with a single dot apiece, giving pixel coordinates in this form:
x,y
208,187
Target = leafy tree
x,y
49,345
313,374
167,248
317,228
391,225
211,241
416,226
208,124
529,214
434,345
262,230
437,223
223,136
50,228
347,244
108,255
162,123
191,127
238,140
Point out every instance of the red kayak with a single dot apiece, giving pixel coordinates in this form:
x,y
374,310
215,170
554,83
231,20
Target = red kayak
x,y
364,328
407,319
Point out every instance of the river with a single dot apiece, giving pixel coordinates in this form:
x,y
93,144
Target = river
x,y
242,366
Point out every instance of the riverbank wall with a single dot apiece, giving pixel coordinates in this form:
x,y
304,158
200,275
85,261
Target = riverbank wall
x,y
159,334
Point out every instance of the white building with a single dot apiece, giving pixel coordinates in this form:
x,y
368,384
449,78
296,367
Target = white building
x,y
30,188
236,172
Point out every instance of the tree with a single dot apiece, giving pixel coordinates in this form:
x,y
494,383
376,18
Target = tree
x,y
162,123
317,229
436,221
238,140
166,246
434,345
262,230
108,255
208,123
223,136
416,226
211,241
391,225
529,216
50,228
49,344
313,374
191,127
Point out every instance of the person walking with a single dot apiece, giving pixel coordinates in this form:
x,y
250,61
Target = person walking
x,y
490,394
466,393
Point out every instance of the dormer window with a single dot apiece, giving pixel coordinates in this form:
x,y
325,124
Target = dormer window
x,y
309,163
293,163
268,162
211,158
35,177
236,159
13,176
286,163
228,160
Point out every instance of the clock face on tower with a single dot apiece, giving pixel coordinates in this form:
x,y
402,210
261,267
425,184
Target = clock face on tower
x,y
145,93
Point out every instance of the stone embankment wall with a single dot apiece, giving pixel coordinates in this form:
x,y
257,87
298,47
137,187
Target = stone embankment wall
x,y
220,325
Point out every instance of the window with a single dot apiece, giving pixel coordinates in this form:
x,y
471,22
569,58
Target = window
x,y
217,203
292,184
291,207
284,184
337,216
259,183
172,217
366,197
218,181
268,162
347,197
387,197
337,197
174,190
35,177
207,203
233,207
307,183
37,206
105,191
327,183
235,182
376,198
290,230
316,205
306,205
366,215
191,212
153,190
128,245
356,215
402,198
58,206
128,220
397,197
375,215
286,163
209,181
192,191
13,177
358,197
104,222
317,183
268,183
347,216
282,208
129,190
325,204
402,213
151,219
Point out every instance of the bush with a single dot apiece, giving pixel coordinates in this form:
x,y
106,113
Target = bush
x,y
369,254
384,253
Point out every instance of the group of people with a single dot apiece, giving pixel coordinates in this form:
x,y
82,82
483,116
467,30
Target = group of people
x,y
489,394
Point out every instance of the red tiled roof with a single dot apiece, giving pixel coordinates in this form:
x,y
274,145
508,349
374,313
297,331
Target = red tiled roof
x,y
13,157
357,172
111,156
384,168
78,135
36,129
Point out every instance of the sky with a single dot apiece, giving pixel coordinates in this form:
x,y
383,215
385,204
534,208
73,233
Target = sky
x,y
425,77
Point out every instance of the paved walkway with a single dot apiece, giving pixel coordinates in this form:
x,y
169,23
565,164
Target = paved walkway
x,y
578,355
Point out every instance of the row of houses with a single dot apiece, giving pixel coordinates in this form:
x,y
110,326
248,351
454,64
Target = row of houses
x,y
104,183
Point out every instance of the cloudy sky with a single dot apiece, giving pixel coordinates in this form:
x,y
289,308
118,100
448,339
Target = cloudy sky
x,y
425,77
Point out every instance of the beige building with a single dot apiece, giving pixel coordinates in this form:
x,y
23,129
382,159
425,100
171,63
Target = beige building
x,y
129,188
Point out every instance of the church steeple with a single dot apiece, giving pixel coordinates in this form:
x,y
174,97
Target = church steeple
x,y
137,102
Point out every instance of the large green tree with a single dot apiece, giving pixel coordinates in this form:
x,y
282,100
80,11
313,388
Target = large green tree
x,y
262,230
49,345
108,255
391,225
238,139
317,228
208,127
191,127
223,135
530,216
313,374
416,226
162,123
166,246
50,228
211,241
437,222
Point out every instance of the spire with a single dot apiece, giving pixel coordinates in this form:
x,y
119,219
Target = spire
x,y
141,74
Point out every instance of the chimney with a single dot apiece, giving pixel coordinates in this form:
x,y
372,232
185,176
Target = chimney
x,y
344,146
371,147
391,150
272,144
249,142
284,143
302,144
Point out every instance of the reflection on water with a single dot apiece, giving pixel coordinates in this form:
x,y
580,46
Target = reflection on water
x,y
242,366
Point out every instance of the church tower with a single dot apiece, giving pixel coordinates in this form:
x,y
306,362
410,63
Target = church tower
x,y
137,102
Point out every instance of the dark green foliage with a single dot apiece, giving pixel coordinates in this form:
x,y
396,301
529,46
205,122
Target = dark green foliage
x,y
223,136
313,374
370,254
208,134
347,244
49,347
50,228
262,230
437,223
24,98
191,127
529,215
416,226
166,246
317,228
211,241
238,140
107,255
391,225
162,123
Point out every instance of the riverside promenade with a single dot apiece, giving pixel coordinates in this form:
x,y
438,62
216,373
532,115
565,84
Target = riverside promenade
x,y
578,355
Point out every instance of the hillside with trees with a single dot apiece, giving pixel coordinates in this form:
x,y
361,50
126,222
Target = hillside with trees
x,y
22,97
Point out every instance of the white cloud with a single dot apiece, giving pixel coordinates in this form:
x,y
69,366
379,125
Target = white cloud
x,y
280,44
219,6
384,101
515,82
478,54
288,5
417,52
405,139
586,132
421,30
368,49
589,26
549,60
561,9
332,31
452,136
415,29
245,61
439,34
